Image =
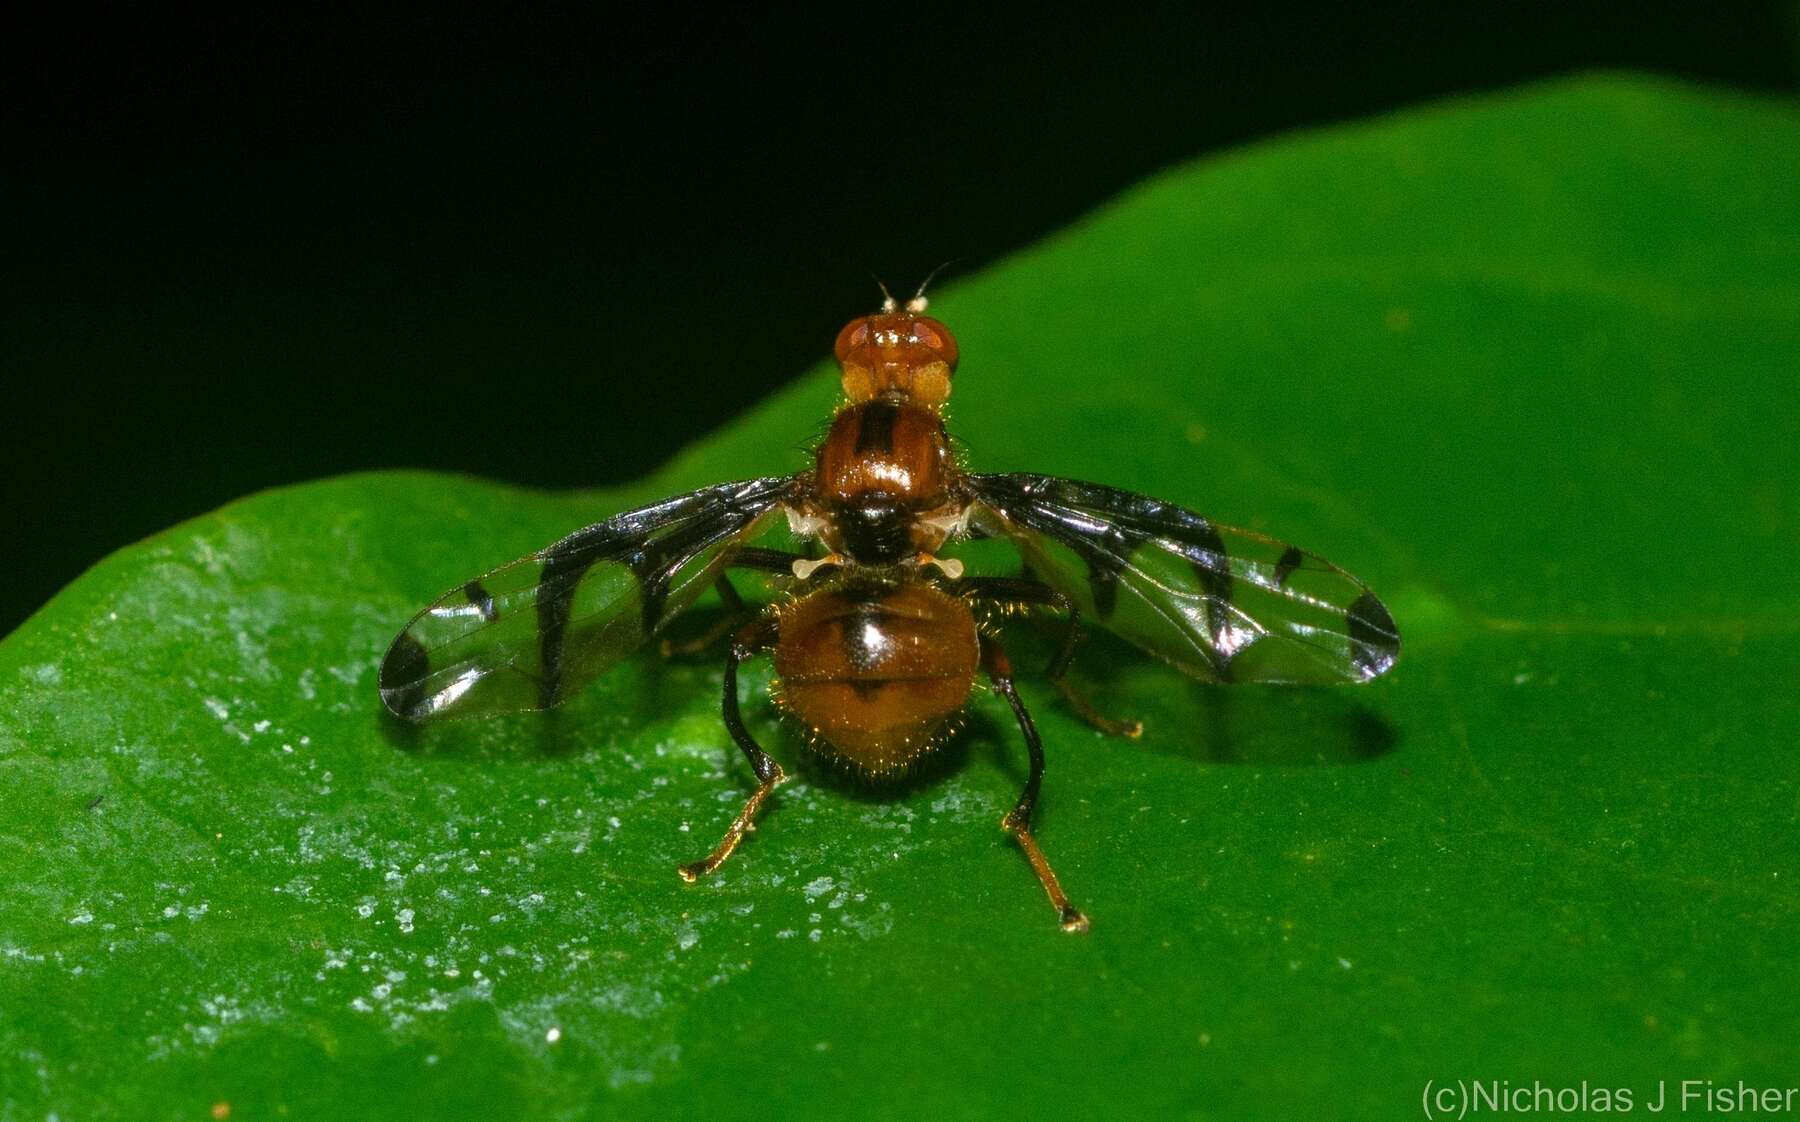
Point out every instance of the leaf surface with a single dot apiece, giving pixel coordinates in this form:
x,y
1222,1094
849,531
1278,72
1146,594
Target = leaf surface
x,y
1524,363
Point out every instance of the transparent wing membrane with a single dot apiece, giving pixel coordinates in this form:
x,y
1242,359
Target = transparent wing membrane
x,y
1223,605
529,634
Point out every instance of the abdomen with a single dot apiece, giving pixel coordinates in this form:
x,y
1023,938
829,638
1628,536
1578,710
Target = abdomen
x,y
877,672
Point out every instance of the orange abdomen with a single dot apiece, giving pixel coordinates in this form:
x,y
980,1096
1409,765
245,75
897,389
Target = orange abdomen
x,y
876,673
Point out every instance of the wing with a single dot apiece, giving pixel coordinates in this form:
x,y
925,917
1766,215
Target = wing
x,y
528,634
1223,605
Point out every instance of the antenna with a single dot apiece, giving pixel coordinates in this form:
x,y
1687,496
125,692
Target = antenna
x,y
918,302
888,303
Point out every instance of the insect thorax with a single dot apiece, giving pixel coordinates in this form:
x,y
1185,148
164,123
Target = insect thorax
x,y
884,467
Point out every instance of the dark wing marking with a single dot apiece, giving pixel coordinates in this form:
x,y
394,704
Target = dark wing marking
x,y
1221,604
528,634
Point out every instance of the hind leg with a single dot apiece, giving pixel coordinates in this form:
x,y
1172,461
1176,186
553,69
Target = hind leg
x,y
752,640
1018,821
1029,590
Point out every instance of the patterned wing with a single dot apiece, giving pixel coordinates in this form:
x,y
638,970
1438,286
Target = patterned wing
x,y
1223,605
528,634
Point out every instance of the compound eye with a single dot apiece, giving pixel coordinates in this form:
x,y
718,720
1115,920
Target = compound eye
x,y
854,350
935,342
853,341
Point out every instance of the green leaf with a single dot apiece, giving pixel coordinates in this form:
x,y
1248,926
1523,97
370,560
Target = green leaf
x,y
1524,363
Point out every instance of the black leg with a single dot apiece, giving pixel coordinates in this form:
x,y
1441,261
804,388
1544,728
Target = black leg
x,y
735,611
763,560
1029,590
748,642
1018,820
1058,675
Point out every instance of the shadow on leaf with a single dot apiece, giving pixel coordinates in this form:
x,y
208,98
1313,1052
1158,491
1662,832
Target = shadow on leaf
x,y
1276,726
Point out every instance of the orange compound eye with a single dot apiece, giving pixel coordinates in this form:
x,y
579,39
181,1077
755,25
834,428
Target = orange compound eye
x,y
933,342
896,353
852,341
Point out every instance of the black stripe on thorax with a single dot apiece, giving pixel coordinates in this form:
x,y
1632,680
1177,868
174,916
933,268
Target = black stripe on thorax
x,y
875,428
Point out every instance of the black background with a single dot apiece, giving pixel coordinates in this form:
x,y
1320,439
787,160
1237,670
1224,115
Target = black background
x,y
247,253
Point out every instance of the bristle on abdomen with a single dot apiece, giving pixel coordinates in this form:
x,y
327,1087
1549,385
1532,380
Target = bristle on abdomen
x,y
880,732
877,673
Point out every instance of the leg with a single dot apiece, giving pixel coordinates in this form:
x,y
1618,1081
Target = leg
x,y
1018,821
1010,590
763,560
735,611
748,642
1029,590
1057,673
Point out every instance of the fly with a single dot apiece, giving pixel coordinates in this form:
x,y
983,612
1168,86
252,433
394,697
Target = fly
x,y
880,636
